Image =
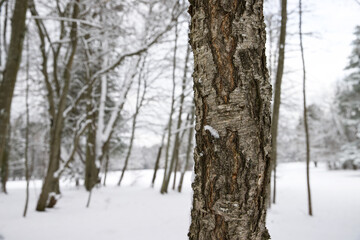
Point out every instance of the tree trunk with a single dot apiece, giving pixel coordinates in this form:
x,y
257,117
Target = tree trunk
x,y
232,100
27,170
129,150
4,173
177,143
51,182
277,97
106,168
306,128
188,150
91,171
11,69
139,103
167,172
157,162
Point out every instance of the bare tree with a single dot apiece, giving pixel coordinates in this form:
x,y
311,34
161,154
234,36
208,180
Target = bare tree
x,y
188,150
232,100
178,139
277,90
9,74
27,170
306,128
168,170
158,157
56,107
140,97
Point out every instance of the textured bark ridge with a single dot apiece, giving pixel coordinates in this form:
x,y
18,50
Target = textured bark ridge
x,y
232,97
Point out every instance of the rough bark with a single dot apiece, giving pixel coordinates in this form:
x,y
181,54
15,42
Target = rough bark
x,y
11,69
232,100
306,127
277,92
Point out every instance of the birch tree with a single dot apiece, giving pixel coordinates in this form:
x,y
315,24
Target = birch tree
x,y
232,100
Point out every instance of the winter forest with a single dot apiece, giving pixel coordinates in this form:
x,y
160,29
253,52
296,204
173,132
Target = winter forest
x,y
180,119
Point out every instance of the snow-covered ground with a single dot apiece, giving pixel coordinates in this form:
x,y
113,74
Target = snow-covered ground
x,y
135,211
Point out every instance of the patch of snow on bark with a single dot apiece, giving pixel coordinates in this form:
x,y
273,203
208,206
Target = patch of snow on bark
x,y
213,132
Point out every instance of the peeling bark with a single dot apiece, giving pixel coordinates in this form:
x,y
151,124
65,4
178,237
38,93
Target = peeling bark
x,y
232,100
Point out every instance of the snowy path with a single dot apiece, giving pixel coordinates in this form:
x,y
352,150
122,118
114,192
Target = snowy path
x,y
137,212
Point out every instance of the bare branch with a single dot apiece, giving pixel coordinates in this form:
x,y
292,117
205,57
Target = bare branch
x,y
67,20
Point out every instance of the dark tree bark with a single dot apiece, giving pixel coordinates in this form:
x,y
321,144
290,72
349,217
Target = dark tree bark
x,y
11,69
306,128
277,91
232,100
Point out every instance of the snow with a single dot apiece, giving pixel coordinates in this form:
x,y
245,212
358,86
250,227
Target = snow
x,y
135,211
213,131
335,198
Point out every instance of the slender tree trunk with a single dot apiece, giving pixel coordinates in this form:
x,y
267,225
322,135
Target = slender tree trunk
x,y
4,33
167,172
11,69
158,157
188,150
27,172
91,171
129,150
186,124
89,199
4,173
306,128
106,168
177,143
232,100
139,103
277,97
